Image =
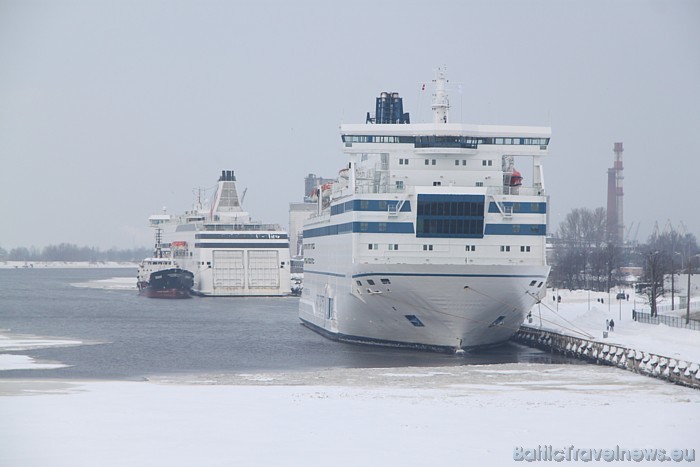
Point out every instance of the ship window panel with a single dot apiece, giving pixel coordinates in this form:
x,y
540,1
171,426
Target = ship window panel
x,y
413,319
359,283
386,281
454,216
370,282
427,162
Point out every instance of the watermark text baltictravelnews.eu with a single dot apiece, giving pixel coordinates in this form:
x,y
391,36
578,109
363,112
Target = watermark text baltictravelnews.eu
x,y
548,453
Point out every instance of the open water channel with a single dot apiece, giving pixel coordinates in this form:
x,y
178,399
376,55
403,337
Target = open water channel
x,y
131,337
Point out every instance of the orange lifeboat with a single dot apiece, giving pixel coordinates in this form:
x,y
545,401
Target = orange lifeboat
x,y
516,179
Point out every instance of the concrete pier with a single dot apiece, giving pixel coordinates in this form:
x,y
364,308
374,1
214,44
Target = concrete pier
x,y
656,366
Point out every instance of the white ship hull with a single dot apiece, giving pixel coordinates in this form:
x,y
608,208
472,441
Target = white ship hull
x,y
428,238
229,254
235,267
424,306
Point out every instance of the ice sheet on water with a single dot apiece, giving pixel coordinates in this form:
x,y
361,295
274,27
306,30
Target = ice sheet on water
x,y
10,342
114,283
24,362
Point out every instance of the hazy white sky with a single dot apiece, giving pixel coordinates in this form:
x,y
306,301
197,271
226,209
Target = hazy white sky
x,y
110,110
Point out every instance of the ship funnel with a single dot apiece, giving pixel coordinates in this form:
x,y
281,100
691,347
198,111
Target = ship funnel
x,y
227,176
226,197
389,109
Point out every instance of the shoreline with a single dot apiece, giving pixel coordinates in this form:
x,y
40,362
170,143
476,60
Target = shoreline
x,y
66,264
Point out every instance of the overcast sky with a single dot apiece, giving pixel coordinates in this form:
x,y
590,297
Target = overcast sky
x,y
110,110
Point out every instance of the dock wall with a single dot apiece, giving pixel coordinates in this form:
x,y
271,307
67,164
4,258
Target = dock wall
x,y
655,366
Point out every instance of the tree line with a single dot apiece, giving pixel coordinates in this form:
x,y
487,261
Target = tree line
x,y
71,252
584,257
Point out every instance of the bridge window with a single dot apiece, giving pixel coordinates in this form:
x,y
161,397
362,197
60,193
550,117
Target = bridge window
x,y
450,216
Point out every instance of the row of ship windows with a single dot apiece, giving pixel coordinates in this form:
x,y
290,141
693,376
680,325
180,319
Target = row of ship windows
x,y
451,208
388,282
484,162
438,141
375,246
429,247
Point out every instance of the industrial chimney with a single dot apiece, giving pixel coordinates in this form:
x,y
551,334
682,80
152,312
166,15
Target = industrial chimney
x,y
615,220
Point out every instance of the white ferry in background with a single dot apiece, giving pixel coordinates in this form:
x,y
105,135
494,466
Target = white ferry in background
x,y
428,238
228,253
159,276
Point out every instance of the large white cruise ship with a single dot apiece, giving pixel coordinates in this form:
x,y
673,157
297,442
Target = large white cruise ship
x,y
428,238
228,253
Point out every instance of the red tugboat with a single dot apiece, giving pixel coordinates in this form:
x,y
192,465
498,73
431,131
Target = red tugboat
x,y
161,277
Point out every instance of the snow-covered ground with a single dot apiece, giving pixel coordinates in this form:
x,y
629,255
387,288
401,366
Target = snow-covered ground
x,y
65,264
579,316
468,415
464,415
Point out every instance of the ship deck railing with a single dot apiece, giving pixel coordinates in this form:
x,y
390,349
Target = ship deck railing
x,y
490,190
213,227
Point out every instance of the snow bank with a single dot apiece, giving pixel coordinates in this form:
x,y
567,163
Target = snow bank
x,y
578,316
471,415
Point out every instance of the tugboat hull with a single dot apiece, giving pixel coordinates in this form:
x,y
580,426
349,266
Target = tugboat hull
x,y
167,283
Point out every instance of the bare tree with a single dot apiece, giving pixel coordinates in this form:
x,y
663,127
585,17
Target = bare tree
x,y
580,249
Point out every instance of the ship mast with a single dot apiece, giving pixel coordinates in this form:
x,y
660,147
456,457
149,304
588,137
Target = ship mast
x,y
441,104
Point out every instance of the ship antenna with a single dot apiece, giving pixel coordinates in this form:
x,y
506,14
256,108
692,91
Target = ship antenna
x,y
441,104
159,238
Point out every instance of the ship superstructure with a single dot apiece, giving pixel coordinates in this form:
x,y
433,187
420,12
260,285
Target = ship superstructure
x,y
228,252
428,238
